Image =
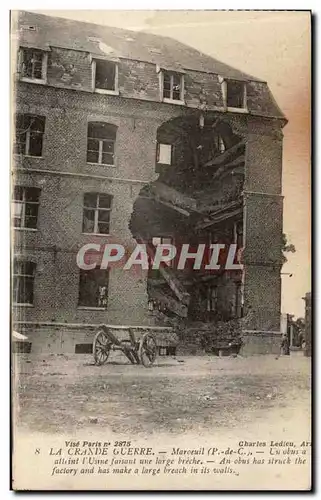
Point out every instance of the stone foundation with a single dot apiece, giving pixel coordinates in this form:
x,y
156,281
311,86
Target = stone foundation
x,y
49,338
72,338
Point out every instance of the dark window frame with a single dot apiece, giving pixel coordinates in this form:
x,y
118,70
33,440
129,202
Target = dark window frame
x,y
113,89
94,281
235,95
212,299
101,142
29,210
30,130
33,64
170,81
97,210
23,278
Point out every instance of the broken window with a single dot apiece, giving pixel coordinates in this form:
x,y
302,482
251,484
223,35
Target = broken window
x,y
172,86
164,154
93,288
29,134
235,94
25,206
101,143
33,64
96,213
105,75
23,281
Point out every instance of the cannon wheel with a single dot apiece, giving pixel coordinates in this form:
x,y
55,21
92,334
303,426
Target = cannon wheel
x,y
147,350
101,347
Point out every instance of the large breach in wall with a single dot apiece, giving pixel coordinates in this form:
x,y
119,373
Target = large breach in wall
x,y
197,198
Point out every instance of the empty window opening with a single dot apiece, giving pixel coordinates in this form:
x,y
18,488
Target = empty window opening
x,y
29,134
33,64
105,75
23,281
96,213
101,143
172,86
235,94
93,288
25,207
164,154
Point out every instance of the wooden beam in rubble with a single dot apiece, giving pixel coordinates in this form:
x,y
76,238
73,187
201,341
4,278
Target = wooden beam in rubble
x,y
224,157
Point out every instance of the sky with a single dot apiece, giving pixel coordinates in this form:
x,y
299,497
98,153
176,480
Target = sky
x,y
273,46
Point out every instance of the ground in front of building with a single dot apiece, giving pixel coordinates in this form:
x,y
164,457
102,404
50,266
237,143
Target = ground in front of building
x,y
188,394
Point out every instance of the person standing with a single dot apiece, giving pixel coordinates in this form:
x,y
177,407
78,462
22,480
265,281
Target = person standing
x,y
285,345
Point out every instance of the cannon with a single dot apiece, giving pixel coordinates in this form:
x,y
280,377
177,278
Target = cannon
x,y
141,351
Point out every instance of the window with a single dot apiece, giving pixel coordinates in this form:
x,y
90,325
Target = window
x,y
29,134
33,64
235,94
25,206
23,281
101,143
173,86
212,299
96,216
105,76
93,288
164,154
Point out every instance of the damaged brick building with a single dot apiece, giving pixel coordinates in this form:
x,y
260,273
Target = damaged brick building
x,y
126,136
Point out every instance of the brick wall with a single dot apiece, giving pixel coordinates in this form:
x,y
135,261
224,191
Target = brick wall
x,y
54,246
69,68
59,236
202,85
263,216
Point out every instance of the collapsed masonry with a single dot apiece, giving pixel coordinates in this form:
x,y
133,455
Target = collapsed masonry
x,y
196,199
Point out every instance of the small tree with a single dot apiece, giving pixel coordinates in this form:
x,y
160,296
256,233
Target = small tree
x,y
286,247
